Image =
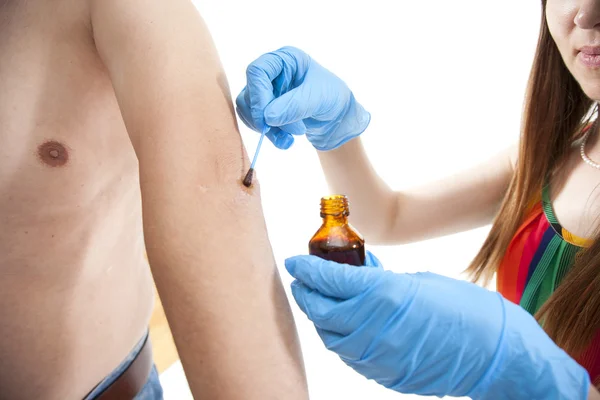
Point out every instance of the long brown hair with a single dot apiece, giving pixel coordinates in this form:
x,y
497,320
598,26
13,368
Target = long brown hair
x,y
556,109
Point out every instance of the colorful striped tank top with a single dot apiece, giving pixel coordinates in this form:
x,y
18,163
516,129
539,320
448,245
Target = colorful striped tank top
x,y
536,261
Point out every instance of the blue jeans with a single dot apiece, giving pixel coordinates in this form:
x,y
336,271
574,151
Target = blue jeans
x,y
151,390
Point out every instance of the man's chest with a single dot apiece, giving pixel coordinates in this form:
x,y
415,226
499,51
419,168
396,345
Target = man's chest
x,y
61,133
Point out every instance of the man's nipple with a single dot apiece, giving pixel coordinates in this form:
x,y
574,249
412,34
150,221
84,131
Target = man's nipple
x,y
53,153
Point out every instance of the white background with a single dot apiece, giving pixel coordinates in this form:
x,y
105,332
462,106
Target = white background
x,y
444,82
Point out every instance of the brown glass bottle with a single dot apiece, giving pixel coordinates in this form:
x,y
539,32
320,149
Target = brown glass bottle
x,y
337,240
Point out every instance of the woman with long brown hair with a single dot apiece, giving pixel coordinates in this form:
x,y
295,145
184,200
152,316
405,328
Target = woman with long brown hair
x,y
431,335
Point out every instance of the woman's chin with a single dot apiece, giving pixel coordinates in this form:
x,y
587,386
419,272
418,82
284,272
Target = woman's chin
x,y
592,92
591,87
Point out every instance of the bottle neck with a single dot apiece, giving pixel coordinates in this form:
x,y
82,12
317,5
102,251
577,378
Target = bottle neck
x,y
334,210
335,219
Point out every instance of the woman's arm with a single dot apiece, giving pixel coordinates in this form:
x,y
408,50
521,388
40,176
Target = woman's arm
x,y
594,394
290,94
460,202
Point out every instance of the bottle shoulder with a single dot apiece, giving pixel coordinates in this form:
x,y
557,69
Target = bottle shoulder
x,y
337,235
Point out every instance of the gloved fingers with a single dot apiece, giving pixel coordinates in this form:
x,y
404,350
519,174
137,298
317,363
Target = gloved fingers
x,y
296,58
295,128
372,261
260,92
340,344
282,140
321,310
267,77
329,338
291,107
332,279
243,110
315,127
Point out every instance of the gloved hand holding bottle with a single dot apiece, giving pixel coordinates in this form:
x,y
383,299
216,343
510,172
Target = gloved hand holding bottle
x,y
431,335
291,93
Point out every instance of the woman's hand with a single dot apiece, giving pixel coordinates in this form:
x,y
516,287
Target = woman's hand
x,y
431,335
293,95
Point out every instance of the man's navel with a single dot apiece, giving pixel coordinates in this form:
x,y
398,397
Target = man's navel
x,y
53,153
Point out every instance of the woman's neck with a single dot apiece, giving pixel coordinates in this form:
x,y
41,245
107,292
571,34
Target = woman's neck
x,y
592,148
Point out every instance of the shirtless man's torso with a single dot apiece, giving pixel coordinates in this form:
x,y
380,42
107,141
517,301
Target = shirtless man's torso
x,y
76,292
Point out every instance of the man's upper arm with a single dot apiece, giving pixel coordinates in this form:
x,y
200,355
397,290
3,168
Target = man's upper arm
x,y
169,85
227,309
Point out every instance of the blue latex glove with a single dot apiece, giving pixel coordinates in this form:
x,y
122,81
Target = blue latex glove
x,y
431,335
294,95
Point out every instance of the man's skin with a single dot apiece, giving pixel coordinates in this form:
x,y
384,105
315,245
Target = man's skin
x,y
107,106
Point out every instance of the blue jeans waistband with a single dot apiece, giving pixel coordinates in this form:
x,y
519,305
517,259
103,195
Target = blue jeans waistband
x,y
117,372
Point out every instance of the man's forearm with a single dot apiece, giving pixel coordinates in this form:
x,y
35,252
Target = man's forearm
x,y
223,297
213,264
